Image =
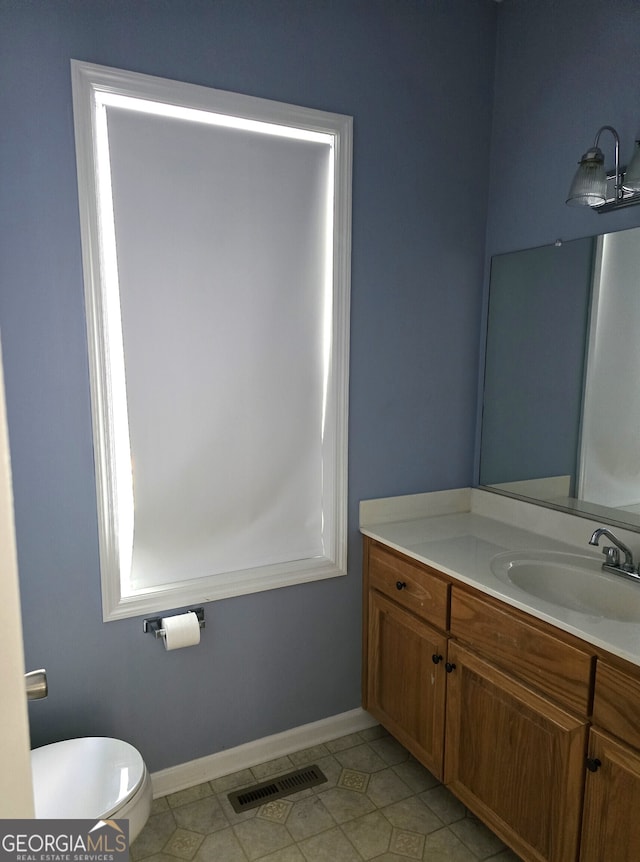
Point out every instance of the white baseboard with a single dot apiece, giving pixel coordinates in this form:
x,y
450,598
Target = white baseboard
x,y
259,751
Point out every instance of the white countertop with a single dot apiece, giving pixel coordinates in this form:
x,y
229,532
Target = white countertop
x,y
462,545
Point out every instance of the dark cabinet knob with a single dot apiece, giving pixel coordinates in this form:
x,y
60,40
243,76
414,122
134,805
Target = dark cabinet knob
x,y
593,764
449,667
400,585
436,659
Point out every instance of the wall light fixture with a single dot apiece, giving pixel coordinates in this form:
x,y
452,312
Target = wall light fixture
x,y
603,190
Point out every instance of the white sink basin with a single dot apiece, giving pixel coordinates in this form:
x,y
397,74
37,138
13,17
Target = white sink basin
x,y
572,581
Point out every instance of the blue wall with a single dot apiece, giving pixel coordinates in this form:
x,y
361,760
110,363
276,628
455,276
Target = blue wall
x,y
563,69
417,76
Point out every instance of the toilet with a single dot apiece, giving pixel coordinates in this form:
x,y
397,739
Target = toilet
x,y
92,778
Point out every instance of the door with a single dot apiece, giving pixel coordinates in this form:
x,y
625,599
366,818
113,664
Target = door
x,y
16,795
611,825
407,679
515,759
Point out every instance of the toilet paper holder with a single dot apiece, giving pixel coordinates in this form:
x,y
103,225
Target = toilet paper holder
x,y
153,624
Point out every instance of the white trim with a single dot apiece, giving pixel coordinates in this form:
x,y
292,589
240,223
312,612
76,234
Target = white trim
x,y
93,84
16,791
203,590
259,751
588,389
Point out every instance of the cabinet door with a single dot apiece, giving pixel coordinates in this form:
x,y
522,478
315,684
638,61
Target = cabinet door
x,y
406,687
611,825
515,759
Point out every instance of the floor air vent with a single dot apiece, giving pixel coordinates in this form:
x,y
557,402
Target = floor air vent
x,y
266,791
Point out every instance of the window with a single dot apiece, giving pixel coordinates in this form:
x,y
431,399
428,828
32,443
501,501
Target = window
x,y
216,253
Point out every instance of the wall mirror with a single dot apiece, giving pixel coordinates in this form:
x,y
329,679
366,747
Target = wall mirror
x,y
561,406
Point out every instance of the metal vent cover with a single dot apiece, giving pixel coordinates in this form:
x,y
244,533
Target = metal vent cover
x,y
265,791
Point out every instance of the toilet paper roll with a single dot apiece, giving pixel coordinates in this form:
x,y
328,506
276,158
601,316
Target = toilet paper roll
x,y
181,630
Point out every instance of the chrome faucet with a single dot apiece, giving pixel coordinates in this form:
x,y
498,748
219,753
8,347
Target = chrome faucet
x,y
612,555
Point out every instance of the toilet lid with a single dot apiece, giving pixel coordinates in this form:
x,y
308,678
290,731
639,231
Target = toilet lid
x,y
84,778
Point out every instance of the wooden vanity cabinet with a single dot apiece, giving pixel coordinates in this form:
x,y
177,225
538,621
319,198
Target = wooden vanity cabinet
x,y
413,586
556,666
516,729
537,732
501,718
406,684
616,702
404,676
611,820
514,758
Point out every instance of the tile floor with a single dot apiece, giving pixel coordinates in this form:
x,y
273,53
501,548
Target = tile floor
x,y
377,804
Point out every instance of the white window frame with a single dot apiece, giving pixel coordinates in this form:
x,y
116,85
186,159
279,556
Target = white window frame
x,y
90,83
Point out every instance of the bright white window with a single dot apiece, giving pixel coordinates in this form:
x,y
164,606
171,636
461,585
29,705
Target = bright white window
x,y
216,251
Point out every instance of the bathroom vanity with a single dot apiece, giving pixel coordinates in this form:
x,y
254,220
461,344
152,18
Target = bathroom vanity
x,y
529,712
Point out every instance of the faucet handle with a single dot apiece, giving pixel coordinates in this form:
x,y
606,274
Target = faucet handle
x,y
612,556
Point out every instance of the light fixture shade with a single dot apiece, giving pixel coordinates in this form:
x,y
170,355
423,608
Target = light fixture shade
x,y
631,182
589,186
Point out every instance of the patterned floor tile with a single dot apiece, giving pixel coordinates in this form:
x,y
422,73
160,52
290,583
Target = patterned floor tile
x,y
260,837
477,837
159,806
220,846
287,854
390,750
227,783
309,755
191,794
412,815
161,857
375,732
505,856
184,844
370,835
361,757
204,816
409,844
351,779
344,805
331,846
331,770
153,837
276,811
443,803
415,775
444,846
385,788
343,742
377,804
396,857
309,817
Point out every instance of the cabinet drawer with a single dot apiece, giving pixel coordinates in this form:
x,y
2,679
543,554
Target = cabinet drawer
x,y
410,584
616,703
559,669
